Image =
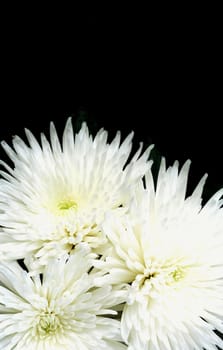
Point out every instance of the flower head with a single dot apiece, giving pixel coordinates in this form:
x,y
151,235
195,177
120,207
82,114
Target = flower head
x,y
169,250
56,196
60,309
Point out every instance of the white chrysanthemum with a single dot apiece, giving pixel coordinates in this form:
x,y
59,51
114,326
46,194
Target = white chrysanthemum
x,y
60,310
56,196
170,251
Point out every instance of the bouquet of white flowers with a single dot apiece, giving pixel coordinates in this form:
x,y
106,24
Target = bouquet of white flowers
x,y
96,253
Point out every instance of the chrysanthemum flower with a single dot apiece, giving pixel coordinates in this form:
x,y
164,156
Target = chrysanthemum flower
x,y
60,309
170,251
56,196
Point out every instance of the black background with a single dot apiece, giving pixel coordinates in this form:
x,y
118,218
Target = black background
x,y
155,71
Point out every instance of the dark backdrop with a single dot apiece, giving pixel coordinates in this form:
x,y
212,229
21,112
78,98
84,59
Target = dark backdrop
x,y
157,72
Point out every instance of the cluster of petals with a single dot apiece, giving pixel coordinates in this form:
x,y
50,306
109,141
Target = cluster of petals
x,y
97,253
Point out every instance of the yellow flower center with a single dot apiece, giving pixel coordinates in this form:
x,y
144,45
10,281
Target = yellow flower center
x,y
159,274
67,204
48,324
178,274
